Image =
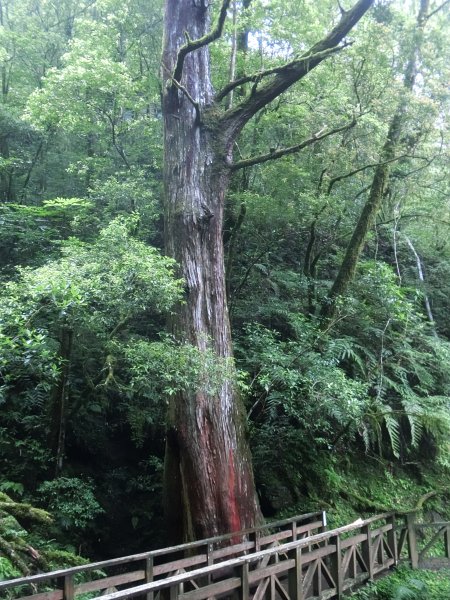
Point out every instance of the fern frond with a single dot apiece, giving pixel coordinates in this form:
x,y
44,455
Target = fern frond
x,y
393,429
414,413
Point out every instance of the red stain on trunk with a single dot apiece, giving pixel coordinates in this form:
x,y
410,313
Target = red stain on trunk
x,y
234,517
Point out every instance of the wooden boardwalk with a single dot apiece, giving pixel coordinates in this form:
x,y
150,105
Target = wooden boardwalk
x,y
293,559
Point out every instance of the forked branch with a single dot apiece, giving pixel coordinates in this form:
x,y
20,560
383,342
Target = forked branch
x,y
234,119
192,45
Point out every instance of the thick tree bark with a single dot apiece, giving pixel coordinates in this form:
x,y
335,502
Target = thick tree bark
x,y
209,485
208,480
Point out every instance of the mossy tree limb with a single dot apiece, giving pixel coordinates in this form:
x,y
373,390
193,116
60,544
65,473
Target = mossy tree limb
x,y
380,179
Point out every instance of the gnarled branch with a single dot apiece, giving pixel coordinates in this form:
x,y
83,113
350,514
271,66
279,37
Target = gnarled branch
x,y
192,45
259,75
234,119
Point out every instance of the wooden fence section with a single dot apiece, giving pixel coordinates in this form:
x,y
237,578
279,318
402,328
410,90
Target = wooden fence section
x,y
426,545
322,566
100,577
294,559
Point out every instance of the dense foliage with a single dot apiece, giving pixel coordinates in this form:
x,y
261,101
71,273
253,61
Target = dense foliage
x,y
409,585
87,363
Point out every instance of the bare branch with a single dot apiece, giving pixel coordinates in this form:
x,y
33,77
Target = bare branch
x,y
407,216
437,9
117,146
195,104
262,158
369,166
356,82
234,119
192,45
256,259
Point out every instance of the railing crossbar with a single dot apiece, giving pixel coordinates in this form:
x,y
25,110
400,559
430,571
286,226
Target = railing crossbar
x,y
262,562
161,552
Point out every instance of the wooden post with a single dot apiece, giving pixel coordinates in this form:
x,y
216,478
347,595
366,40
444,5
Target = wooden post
x,y
367,550
68,589
256,535
336,567
447,542
149,561
173,591
294,531
324,521
209,560
244,590
295,580
412,540
392,539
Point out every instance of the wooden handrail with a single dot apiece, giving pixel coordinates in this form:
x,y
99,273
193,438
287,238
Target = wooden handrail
x,y
434,524
263,562
238,562
61,573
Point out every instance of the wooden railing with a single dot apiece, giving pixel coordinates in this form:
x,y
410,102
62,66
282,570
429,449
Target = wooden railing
x,y
424,545
294,559
324,566
99,577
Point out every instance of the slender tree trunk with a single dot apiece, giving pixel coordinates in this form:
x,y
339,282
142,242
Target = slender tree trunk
x,y
380,180
422,281
209,486
357,242
7,187
23,193
60,398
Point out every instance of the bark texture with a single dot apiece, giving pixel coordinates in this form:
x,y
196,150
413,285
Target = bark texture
x,y
209,487
208,475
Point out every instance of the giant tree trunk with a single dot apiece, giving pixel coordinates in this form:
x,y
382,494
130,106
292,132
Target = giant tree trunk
x,y
209,485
